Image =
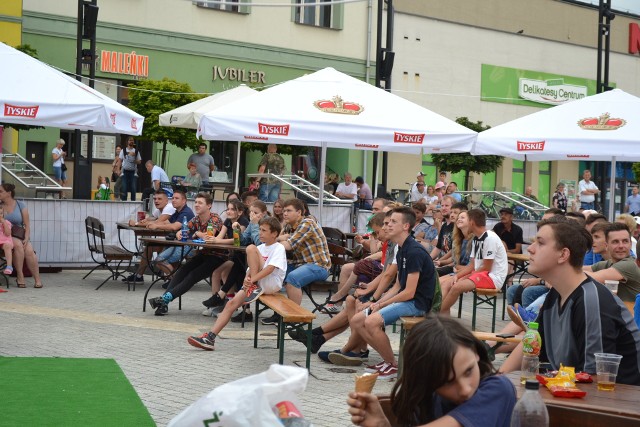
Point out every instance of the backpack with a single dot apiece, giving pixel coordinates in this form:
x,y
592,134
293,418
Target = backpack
x,y
103,194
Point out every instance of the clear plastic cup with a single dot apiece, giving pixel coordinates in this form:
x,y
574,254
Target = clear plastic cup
x,y
529,369
607,369
612,285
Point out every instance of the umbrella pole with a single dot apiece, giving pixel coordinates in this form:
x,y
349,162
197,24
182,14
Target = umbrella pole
x,y
237,190
612,190
323,165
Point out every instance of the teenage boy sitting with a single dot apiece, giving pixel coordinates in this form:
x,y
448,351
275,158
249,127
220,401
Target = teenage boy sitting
x,y
267,268
580,317
488,266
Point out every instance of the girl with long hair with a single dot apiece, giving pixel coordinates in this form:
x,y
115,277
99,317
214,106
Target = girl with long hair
x,y
447,376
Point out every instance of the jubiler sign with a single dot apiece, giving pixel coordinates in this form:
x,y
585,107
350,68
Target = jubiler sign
x,y
553,91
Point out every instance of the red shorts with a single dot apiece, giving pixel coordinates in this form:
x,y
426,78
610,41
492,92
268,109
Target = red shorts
x,y
482,280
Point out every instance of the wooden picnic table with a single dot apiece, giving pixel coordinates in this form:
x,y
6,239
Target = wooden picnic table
x,y
138,231
617,408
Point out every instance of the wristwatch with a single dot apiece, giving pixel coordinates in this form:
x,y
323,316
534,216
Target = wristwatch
x,y
542,282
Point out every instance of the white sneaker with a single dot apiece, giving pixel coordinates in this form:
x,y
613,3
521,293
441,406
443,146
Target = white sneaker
x,y
332,308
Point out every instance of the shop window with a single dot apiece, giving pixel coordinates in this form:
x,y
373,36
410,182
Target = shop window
x,y
235,6
321,15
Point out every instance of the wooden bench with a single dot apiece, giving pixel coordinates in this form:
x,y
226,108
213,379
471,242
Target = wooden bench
x,y
482,297
292,317
490,336
105,255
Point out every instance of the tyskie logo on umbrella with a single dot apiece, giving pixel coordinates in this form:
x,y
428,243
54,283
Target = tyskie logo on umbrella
x,y
21,111
112,116
267,129
530,146
604,122
134,125
408,138
338,106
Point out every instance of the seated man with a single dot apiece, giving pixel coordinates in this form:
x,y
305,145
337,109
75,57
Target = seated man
x,y
411,295
160,220
267,267
487,267
363,271
368,244
424,232
199,266
309,252
509,233
620,266
580,316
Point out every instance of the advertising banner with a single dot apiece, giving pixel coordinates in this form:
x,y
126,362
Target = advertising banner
x,y
532,88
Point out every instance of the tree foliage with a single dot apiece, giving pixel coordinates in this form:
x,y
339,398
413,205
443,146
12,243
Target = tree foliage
x,y
157,97
456,162
31,51
636,171
294,150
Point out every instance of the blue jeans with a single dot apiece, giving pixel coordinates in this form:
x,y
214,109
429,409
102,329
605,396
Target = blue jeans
x,y
587,205
269,193
173,254
301,275
128,185
393,312
59,173
529,294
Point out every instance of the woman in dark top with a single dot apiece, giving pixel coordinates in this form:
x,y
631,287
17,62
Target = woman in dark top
x,y
559,198
17,213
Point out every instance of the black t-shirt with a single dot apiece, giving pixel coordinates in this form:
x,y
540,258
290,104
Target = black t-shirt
x,y
511,238
228,223
412,257
445,237
592,320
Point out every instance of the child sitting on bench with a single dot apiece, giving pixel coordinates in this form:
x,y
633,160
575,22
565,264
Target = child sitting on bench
x,y
267,268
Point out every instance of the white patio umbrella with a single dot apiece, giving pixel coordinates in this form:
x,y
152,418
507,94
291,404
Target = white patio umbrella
x,y
598,127
188,116
33,93
331,109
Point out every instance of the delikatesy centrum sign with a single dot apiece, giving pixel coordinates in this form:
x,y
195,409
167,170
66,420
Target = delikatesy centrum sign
x,y
553,91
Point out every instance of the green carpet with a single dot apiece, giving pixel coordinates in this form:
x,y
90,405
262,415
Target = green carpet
x,y
38,391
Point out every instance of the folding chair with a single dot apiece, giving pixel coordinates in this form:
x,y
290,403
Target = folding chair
x,y
105,256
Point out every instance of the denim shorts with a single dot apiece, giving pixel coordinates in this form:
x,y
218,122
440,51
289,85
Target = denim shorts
x,y
302,275
173,254
59,173
391,313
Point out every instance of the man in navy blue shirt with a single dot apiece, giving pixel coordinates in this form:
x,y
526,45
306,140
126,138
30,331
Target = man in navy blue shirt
x,y
411,295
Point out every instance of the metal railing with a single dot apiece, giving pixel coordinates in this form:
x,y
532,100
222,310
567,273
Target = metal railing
x,y
492,201
26,174
304,187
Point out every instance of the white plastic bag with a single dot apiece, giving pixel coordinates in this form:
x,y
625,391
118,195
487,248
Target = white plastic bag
x,y
247,402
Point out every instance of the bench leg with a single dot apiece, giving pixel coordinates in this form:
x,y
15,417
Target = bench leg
x,y
281,341
255,331
460,306
473,315
309,336
402,337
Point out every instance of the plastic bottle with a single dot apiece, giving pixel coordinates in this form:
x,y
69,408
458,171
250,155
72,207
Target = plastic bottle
x,y
185,230
236,237
210,229
530,411
531,346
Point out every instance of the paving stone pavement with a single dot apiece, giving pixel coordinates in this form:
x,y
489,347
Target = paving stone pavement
x,y
69,318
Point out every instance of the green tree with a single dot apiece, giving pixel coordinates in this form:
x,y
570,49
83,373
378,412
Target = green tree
x,y
636,171
150,98
29,50
456,162
294,150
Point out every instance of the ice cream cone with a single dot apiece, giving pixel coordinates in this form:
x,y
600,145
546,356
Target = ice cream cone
x,y
365,383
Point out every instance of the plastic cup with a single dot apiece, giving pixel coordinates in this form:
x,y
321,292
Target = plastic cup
x,y
529,368
607,369
612,285
141,215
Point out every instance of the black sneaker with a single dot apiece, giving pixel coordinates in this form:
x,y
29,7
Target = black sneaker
x,y
253,293
214,301
273,320
133,278
156,302
205,341
162,310
297,335
248,317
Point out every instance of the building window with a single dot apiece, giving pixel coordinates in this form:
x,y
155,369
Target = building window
x,y
322,15
226,5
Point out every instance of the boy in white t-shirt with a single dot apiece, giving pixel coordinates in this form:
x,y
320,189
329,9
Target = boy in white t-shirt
x,y
489,263
267,268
